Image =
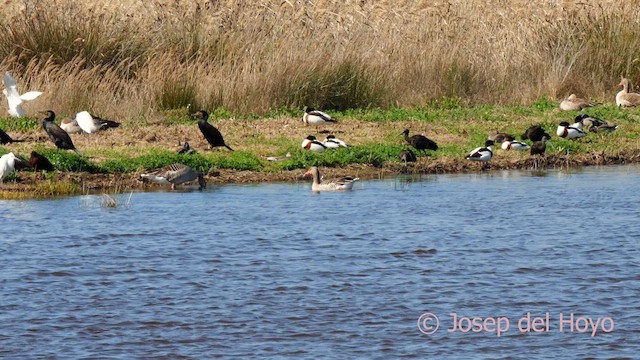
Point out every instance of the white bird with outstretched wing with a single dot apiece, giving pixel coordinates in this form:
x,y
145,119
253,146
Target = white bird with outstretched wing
x,y
14,98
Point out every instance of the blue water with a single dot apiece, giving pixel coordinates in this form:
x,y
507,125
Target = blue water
x,y
274,270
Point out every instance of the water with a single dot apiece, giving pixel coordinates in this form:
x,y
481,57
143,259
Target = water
x,y
275,270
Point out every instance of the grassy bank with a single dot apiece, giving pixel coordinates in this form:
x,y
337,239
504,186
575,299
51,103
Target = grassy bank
x,y
115,158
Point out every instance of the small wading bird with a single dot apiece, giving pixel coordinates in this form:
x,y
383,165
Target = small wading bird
x,y
310,143
14,98
56,134
538,149
626,97
175,174
90,123
6,139
419,142
482,154
211,134
572,102
316,117
343,183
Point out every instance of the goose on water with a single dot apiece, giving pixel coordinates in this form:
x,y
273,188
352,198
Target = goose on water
x,y
339,184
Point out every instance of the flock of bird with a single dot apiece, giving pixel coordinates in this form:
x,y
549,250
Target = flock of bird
x,y
175,174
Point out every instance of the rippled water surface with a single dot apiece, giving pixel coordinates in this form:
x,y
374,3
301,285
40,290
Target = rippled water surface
x,y
275,270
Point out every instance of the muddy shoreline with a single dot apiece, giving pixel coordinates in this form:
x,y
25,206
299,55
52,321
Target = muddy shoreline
x,y
28,184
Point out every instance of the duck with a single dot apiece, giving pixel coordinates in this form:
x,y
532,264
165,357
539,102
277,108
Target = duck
x,y
589,121
310,143
210,133
186,149
625,97
515,145
59,137
340,184
331,141
419,142
70,126
90,123
39,162
7,165
278,158
14,98
569,132
499,137
572,102
482,154
6,139
535,133
316,117
175,174
604,128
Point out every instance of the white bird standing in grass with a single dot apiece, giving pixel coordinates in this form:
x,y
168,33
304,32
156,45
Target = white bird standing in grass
x,y
7,165
14,98
316,117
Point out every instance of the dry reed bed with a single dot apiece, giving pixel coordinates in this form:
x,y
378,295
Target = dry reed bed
x,y
133,58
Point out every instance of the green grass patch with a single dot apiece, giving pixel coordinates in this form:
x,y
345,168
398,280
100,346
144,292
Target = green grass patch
x,y
19,124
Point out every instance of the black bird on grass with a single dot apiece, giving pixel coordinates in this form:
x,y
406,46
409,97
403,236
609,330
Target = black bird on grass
x,y
535,133
213,135
56,134
39,162
420,142
6,139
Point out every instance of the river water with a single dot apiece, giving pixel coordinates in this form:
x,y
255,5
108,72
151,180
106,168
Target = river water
x,y
527,265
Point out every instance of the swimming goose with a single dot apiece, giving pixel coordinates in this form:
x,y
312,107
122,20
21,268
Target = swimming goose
x,y
331,141
70,126
482,154
343,183
514,145
310,143
90,123
569,132
575,103
213,135
14,98
420,142
7,165
535,133
499,137
39,162
626,97
6,139
316,117
175,174
56,134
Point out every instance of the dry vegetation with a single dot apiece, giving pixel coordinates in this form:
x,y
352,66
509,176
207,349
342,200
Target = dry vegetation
x,y
133,58
147,64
